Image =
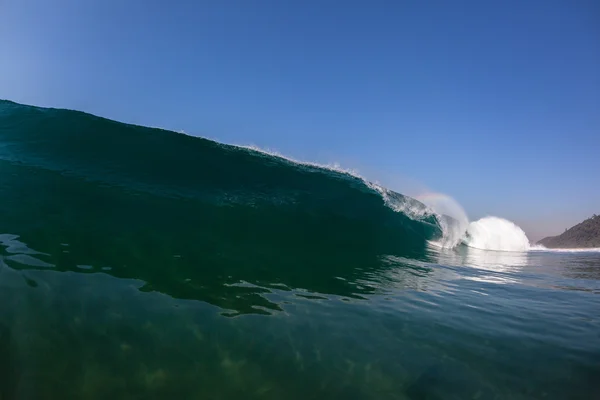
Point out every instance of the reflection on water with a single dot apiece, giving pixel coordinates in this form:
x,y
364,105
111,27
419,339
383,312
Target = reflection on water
x,y
578,271
409,274
400,327
501,267
237,288
13,246
238,258
501,261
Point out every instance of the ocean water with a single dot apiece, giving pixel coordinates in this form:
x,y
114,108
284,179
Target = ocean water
x,y
139,263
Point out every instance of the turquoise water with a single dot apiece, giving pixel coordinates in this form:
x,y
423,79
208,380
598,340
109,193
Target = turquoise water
x,y
139,263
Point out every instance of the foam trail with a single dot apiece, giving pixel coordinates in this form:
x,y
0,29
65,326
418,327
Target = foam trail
x,y
540,248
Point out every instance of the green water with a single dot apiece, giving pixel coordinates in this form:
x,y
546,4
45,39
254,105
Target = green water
x,y
143,264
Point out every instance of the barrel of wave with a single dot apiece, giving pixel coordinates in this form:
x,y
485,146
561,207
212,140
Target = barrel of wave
x,y
451,216
493,233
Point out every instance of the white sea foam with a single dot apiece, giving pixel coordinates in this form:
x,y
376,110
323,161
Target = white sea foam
x,y
540,248
493,233
489,233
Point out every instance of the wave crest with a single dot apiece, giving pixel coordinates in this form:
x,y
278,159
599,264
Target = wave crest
x,y
493,233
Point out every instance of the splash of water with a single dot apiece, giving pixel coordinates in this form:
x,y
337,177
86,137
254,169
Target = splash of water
x,y
451,216
493,233
489,233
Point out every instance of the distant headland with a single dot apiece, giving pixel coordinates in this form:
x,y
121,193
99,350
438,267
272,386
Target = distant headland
x,y
583,235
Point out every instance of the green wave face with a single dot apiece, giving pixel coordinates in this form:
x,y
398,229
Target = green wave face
x,y
189,217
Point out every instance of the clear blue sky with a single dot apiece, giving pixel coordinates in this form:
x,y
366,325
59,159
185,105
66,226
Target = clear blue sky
x,y
496,103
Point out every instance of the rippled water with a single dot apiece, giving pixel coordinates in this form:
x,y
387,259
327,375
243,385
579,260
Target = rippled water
x,y
455,324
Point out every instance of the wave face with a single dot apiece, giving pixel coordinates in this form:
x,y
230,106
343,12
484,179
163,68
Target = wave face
x,y
150,195
249,185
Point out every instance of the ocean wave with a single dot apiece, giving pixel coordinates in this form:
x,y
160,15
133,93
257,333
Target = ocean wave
x,y
169,164
139,200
